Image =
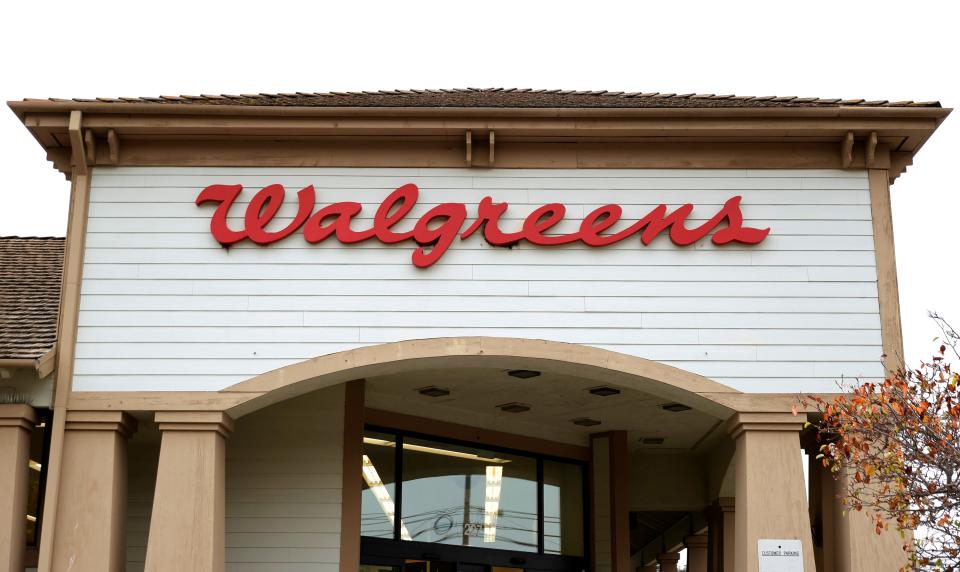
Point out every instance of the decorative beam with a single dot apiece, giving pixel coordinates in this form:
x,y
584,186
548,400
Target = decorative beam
x,y
846,150
78,154
492,141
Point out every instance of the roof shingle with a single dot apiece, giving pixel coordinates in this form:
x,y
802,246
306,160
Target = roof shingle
x,y
500,97
30,273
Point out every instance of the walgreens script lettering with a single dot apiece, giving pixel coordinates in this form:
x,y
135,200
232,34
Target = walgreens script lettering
x,y
439,227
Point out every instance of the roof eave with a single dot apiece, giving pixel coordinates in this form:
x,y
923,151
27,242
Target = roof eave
x,y
46,106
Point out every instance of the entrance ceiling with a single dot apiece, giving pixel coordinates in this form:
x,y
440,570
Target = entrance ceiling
x,y
554,399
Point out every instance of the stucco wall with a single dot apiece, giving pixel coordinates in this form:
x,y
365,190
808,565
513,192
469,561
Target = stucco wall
x,y
164,307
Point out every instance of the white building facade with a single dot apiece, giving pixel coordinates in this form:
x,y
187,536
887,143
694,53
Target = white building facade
x,y
425,331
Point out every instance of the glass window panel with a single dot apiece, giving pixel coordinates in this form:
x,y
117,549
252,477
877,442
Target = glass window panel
x,y
466,496
379,484
562,508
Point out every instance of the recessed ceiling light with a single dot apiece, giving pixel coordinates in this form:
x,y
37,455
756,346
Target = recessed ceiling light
x,y
652,440
433,391
585,422
604,391
523,373
514,407
675,407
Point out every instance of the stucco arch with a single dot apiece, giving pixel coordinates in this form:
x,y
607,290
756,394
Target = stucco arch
x,y
490,352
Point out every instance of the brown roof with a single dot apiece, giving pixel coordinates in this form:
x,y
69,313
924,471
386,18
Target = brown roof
x,y
30,271
500,97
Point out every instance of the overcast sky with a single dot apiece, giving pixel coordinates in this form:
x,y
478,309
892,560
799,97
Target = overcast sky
x,y
852,49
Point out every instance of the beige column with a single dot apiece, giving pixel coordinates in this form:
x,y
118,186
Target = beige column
x,y
720,534
610,521
92,520
668,561
771,500
16,422
822,500
696,553
847,542
187,524
856,545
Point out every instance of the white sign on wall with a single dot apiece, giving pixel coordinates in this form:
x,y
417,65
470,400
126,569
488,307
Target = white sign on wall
x,y
780,555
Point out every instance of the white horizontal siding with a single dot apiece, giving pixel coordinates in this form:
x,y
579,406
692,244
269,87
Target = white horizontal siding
x,y
164,307
283,488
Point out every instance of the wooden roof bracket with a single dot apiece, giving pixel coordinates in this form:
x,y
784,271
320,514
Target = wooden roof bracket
x,y
492,142
846,150
469,139
77,152
871,151
90,145
113,143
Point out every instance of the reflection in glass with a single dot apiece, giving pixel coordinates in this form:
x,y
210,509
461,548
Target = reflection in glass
x,y
377,508
39,443
469,497
562,509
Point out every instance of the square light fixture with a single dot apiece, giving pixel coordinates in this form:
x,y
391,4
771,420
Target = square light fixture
x,y
604,391
585,422
675,407
523,373
433,391
514,407
652,441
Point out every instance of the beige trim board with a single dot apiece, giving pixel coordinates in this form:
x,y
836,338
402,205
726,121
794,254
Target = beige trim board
x,y
428,152
158,400
474,351
65,347
887,289
510,353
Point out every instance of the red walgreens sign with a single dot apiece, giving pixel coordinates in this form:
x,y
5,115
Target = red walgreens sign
x,y
436,230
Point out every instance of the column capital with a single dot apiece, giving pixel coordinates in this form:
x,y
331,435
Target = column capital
x,y
668,558
726,504
118,421
18,415
695,541
742,422
216,421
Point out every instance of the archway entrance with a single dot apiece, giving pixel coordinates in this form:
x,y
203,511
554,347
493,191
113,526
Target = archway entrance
x,y
476,454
